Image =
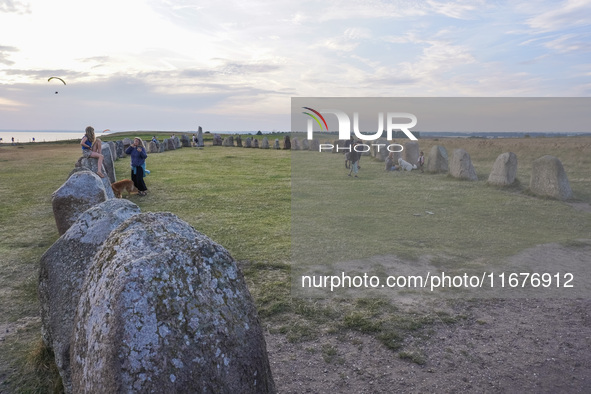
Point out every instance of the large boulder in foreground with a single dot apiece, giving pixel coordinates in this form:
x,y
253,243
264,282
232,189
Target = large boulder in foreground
x,y
63,269
461,166
437,160
504,171
165,309
548,179
83,190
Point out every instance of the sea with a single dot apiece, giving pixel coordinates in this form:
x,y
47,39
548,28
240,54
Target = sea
x,y
24,136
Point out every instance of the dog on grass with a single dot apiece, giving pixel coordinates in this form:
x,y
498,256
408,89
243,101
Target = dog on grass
x,y
124,185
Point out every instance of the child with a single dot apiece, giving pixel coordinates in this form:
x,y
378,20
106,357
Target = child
x,y
421,161
91,147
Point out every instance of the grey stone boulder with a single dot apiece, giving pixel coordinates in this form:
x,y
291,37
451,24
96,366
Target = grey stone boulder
x,y
437,160
153,147
200,137
113,147
504,170
63,269
164,309
177,142
411,152
305,144
217,140
126,143
120,149
286,143
228,141
91,164
185,141
295,144
170,144
314,145
548,179
108,163
255,143
461,166
276,144
238,141
82,190
265,143
248,142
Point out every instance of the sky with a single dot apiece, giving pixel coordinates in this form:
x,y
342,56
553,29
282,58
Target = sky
x,y
235,65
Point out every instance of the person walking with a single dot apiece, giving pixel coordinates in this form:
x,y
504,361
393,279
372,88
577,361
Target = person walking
x,y
138,159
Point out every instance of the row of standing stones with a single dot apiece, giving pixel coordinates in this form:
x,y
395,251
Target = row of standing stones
x,y
142,302
548,177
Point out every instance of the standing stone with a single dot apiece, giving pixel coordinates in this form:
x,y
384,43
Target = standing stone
x,y
217,140
248,142
108,163
126,143
228,141
255,143
276,144
175,318
113,149
265,143
91,164
82,190
286,143
314,145
504,170
171,143
164,145
548,179
120,149
437,160
200,137
63,269
296,144
461,166
177,142
305,144
411,152
153,147
238,141
185,141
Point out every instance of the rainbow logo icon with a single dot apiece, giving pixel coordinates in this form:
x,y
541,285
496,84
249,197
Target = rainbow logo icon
x,y
315,118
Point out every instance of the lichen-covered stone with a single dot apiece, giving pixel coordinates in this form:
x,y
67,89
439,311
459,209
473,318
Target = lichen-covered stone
x,y
108,163
296,144
164,309
548,179
286,143
437,160
185,141
265,143
504,170
461,166
200,137
63,268
91,164
411,152
82,190
228,141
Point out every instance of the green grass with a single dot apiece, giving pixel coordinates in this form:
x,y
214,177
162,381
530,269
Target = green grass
x,y
242,199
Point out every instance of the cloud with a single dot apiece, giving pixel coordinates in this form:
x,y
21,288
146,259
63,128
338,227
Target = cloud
x,y
5,53
11,6
563,15
462,9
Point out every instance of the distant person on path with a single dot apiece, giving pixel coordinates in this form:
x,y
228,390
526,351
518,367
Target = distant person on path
x,y
421,161
12,140
354,158
138,159
91,147
194,141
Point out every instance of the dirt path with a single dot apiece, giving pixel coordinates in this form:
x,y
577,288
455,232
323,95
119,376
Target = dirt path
x,y
541,346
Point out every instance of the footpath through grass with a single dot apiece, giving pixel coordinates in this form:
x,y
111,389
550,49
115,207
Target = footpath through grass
x,y
241,198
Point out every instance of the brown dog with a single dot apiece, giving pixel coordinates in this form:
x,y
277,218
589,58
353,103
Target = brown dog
x,y
124,185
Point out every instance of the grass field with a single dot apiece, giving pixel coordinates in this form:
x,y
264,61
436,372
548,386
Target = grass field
x,y
242,199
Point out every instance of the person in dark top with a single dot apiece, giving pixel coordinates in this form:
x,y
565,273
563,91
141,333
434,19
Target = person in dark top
x,y
138,159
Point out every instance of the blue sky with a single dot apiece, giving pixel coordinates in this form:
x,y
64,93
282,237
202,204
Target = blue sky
x,y
234,65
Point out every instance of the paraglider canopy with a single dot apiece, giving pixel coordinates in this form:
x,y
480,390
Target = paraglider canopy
x,y
50,78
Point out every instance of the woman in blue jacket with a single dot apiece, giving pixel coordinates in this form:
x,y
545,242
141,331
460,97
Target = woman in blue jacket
x,y
138,158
